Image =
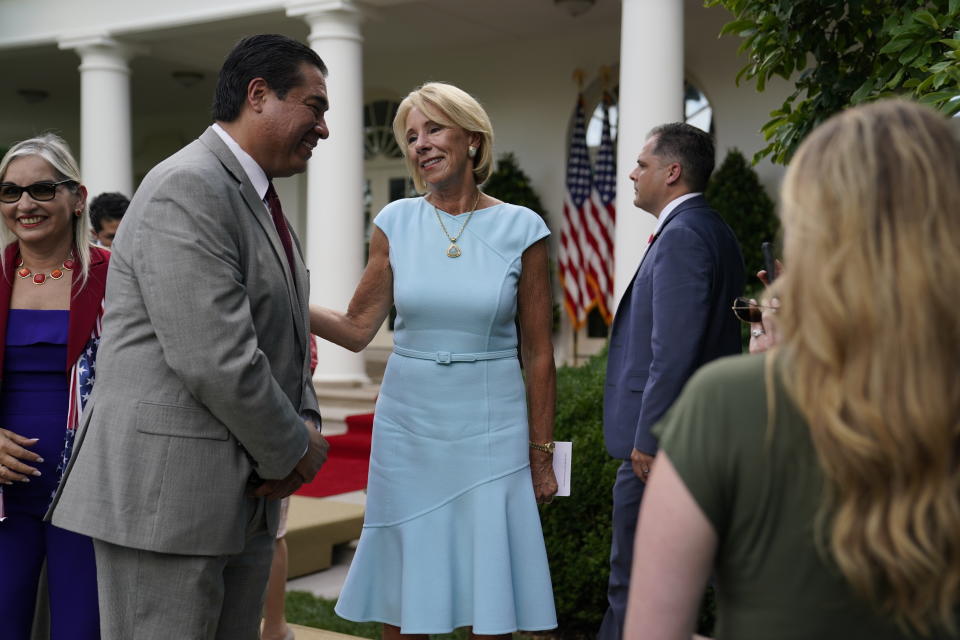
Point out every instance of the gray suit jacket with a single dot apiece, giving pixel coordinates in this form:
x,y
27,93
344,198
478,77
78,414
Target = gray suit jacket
x,y
203,371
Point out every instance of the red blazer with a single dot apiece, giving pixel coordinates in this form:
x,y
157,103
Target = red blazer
x,y
84,303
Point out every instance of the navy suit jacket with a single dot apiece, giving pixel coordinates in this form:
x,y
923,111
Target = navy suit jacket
x,y
674,317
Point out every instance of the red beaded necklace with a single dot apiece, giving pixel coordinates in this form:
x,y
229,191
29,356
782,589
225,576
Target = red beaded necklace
x,y
40,278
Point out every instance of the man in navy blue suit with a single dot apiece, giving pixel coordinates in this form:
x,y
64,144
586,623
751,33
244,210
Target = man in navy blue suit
x,y
674,317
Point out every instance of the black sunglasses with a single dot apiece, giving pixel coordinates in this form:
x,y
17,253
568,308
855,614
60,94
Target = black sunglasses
x,y
750,312
40,191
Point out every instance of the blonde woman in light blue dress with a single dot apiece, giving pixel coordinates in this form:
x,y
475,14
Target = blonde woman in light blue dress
x,y
452,534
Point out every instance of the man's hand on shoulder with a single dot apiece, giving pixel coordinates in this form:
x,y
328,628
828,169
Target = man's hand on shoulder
x,y
641,464
315,455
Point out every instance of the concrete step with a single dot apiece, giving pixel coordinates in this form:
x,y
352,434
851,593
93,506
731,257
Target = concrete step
x,y
309,633
361,397
337,401
314,526
333,418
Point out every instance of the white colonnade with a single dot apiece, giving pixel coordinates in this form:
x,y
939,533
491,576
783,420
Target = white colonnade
x,y
106,158
335,242
651,90
651,93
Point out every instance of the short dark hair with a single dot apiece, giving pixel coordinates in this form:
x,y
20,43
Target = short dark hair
x,y
107,206
691,147
275,58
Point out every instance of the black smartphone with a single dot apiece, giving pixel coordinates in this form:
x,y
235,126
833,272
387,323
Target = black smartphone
x,y
768,262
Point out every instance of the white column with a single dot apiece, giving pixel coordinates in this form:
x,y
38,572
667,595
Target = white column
x,y
106,157
335,241
651,93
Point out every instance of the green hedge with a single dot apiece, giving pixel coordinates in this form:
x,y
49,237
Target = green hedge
x,y
577,529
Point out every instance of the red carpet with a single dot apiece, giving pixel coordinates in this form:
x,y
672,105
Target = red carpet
x,y
349,459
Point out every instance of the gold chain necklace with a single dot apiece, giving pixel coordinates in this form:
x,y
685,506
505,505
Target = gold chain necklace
x,y
453,251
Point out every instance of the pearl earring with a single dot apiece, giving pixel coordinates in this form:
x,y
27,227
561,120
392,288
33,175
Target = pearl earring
x,y
471,151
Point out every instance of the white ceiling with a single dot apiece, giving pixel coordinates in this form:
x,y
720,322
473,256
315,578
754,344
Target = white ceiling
x,y
389,28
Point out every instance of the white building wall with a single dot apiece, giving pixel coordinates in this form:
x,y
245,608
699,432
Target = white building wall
x,y
525,83
527,89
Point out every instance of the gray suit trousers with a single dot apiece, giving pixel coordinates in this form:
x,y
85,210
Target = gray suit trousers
x,y
145,595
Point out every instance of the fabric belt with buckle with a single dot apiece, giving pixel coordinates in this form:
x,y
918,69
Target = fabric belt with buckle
x,y
445,357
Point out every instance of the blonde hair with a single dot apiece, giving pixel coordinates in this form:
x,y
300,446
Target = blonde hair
x,y
871,346
449,106
56,152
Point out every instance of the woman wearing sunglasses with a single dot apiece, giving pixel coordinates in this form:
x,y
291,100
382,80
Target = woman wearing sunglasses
x,y
51,300
819,482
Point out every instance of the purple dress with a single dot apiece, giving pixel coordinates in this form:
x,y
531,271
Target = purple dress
x,y
34,397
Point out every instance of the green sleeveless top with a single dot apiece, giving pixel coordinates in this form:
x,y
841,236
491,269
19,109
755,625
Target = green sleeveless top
x,y
760,487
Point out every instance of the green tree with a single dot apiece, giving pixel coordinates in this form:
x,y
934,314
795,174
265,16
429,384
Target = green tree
x,y
511,184
845,53
737,195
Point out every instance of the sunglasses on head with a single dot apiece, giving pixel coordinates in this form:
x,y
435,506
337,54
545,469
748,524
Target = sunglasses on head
x,y
40,191
749,312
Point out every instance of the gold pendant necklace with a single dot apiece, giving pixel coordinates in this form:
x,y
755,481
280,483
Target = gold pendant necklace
x,y
453,251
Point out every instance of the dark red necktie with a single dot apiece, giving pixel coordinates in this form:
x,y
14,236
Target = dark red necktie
x,y
280,222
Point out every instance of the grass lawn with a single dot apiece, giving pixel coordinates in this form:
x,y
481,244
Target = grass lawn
x,y
310,611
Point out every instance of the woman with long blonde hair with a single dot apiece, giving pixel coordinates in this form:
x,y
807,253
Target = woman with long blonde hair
x,y
820,481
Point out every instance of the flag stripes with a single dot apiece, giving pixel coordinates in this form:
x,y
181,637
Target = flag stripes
x,y
586,238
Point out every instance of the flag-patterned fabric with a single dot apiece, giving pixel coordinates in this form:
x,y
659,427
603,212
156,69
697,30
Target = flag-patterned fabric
x,y
572,236
586,238
604,216
82,376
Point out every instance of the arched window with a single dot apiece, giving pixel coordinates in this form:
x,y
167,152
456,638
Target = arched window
x,y
378,140
696,108
697,112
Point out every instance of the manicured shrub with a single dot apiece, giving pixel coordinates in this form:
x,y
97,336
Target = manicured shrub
x,y
511,184
577,529
737,195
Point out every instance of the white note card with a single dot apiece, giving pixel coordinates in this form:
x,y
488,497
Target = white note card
x,y
562,462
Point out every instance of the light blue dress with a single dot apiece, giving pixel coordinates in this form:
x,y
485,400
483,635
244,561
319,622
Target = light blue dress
x,y
452,535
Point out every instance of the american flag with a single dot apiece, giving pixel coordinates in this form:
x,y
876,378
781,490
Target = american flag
x,y
573,261
602,199
586,238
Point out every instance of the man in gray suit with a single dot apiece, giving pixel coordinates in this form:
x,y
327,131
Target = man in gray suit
x,y
203,414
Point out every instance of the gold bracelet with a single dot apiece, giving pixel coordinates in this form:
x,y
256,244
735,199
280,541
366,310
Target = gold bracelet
x,y
546,447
